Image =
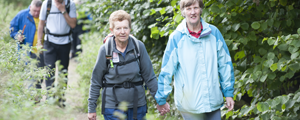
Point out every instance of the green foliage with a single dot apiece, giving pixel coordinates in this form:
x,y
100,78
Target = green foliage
x,y
262,36
91,43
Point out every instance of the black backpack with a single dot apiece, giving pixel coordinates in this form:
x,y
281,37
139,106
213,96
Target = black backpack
x,y
49,5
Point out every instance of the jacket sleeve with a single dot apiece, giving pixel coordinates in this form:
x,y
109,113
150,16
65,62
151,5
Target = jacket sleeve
x,y
147,70
225,68
169,67
14,25
96,80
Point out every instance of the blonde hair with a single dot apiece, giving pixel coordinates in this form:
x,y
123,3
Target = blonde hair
x,y
119,15
187,3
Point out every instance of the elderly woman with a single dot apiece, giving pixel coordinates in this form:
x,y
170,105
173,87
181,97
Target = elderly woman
x,y
122,67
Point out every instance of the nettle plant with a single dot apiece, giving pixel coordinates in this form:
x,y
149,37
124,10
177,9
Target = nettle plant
x,y
17,72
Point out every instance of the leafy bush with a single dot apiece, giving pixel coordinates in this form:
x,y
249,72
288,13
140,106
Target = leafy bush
x,y
262,36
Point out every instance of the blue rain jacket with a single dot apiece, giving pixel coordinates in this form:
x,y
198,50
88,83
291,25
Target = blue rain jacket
x,y
202,70
23,21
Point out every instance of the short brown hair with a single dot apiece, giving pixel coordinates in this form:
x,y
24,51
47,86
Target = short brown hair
x,y
119,15
187,3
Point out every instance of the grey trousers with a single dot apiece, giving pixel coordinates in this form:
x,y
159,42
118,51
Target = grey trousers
x,y
214,115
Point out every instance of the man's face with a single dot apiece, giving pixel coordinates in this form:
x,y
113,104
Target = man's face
x,y
192,14
35,11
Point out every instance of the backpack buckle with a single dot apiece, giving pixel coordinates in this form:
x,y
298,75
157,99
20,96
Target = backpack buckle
x,y
127,85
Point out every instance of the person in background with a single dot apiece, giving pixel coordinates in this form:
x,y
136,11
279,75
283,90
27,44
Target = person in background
x,y
77,31
60,20
27,22
198,57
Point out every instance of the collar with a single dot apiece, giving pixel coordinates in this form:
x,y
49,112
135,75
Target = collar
x,y
129,47
198,33
182,27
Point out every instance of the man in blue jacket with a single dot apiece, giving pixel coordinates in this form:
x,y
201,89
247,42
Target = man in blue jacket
x,y
24,29
198,57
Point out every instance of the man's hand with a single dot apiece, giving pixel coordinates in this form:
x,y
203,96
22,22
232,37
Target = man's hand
x,y
39,44
92,116
20,37
229,103
61,6
163,109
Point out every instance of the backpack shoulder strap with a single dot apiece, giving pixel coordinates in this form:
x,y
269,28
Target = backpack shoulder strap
x,y
136,45
68,6
109,46
49,4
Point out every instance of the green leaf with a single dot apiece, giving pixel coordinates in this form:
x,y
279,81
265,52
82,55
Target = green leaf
x,y
252,36
283,68
178,18
294,55
296,108
290,104
293,49
273,67
245,110
162,11
283,99
262,51
263,78
243,40
262,107
288,22
268,63
173,3
271,75
298,30
236,27
283,2
297,97
291,7
283,47
228,114
282,78
235,46
283,107
271,55
215,9
294,66
264,26
255,25
239,55
257,59
152,12
245,26
271,41
273,103
278,113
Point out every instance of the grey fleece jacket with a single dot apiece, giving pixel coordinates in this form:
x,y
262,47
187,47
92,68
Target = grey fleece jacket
x,y
129,72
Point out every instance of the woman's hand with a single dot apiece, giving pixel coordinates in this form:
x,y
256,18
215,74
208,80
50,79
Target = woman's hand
x,y
92,116
229,103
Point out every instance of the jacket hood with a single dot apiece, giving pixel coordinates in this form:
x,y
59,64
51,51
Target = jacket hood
x,y
183,28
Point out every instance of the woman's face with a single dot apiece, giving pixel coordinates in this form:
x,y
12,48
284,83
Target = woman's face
x,y
121,30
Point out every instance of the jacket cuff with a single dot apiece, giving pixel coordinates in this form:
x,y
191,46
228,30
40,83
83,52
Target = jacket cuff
x,y
161,102
91,110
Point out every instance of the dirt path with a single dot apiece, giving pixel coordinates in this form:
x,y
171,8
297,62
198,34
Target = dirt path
x,y
74,98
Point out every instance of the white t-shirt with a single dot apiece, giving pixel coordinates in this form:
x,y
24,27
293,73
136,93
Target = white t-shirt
x,y
56,23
